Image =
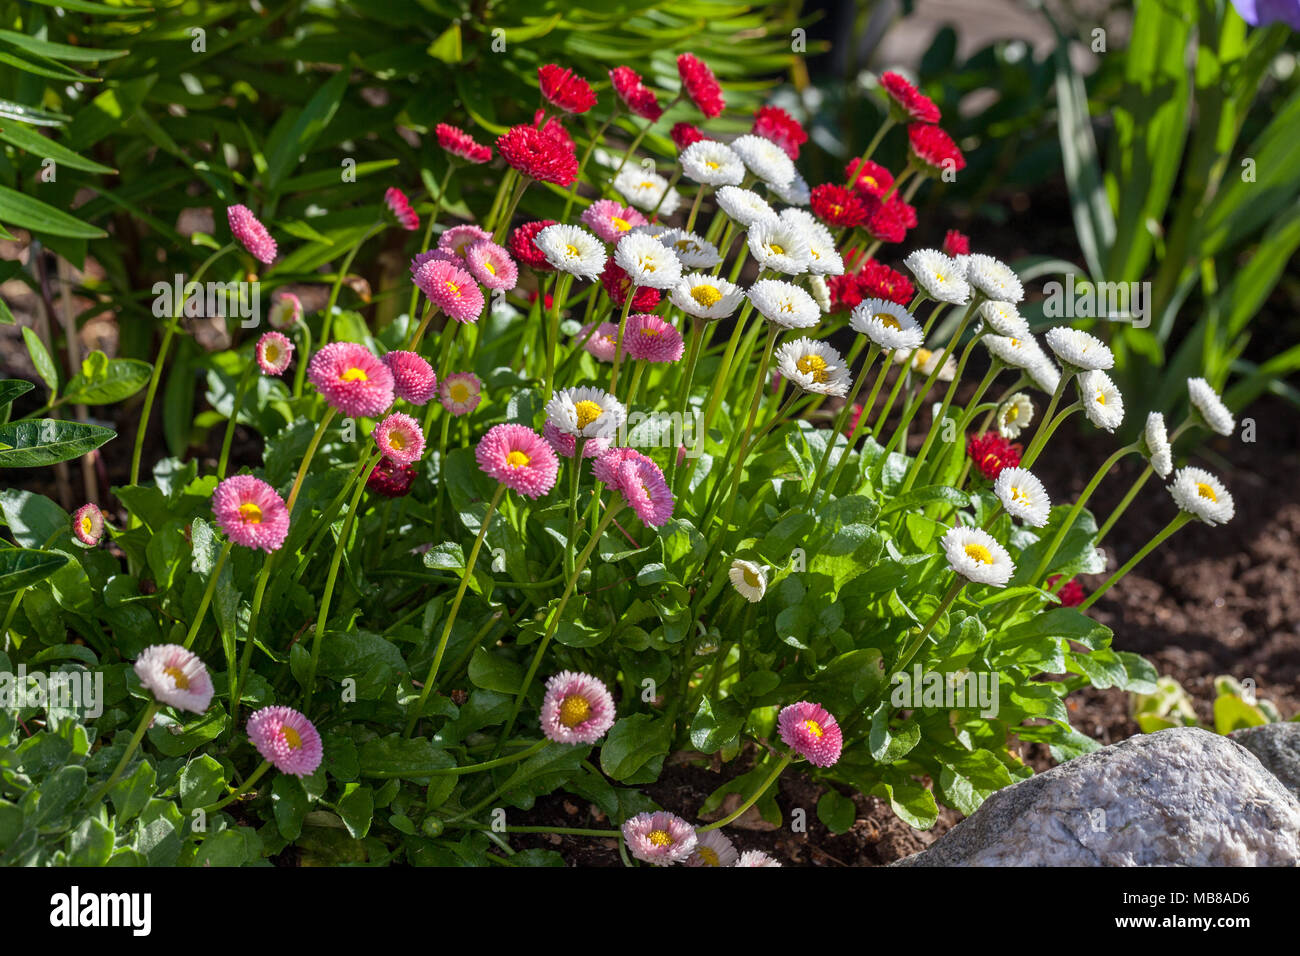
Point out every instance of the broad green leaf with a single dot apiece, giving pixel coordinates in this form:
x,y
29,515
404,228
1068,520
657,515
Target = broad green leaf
x,y
17,209
40,356
20,567
46,441
120,379
43,147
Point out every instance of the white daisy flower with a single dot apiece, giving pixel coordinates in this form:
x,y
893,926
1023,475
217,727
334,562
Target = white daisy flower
x,y
573,250
813,366
1044,374
1004,319
994,278
1206,401
764,159
963,265
1017,351
1199,493
693,251
1155,445
800,218
1102,401
647,261
938,276
706,296
1080,349
586,412
1023,496
796,192
749,579
924,361
643,189
743,206
712,848
712,164
887,324
780,246
821,292
787,305
823,258
1015,415
976,556
175,676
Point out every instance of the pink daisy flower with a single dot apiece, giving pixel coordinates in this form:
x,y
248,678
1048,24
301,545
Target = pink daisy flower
x,y
610,219
577,709
274,352
352,379
459,143
286,311
811,732
251,234
661,837
287,739
651,339
175,676
639,481
461,392
713,849
567,445
400,438
429,255
401,209
251,513
756,858
88,524
413,378
603,343
452,289
457,239
519,458
491,265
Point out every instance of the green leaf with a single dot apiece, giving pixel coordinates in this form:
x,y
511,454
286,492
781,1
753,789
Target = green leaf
x,y
714,726
22,567
491,669
288,142
202,781
290,803
33,142
45,367
635,749
837,811
357,808
91,844
45,441
133,791
120,379
18,209
33,519
396,756
12,388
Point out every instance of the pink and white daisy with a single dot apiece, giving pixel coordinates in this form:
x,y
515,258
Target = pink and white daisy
x,y
567,445
286,311
250,232
432,255
274,353
413,378
401,209
610,219
175,676
577,709
287,739
713,849
250,512
450,288
491,265
461,392
811,732
352,379
639,481
652,339
756,858
88,524
661,837
400,438
602,343
519,458
457,239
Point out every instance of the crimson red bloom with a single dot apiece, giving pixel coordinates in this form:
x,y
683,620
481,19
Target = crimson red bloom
x,y
837,206
909,102
933,149
1071,593
845,292
636,96
854,418
617,283
888,221
774,123
538,155
684,134
565,89
523,245
991,453
401,209
391,479
701,85
459,143
555,129
955,244
872,180
879,281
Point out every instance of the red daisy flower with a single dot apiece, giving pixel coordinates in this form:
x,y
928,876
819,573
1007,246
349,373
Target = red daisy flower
x,y
459,143
617,283
401,209
872,180
701,85
837,206
774,123
1071,593
933,149
684,134
523,245
888,221
565,89
538,155
879,281
636,96
555,129
955,244
908,101
991,453
391,479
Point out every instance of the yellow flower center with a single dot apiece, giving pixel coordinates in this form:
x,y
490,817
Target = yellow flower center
x,y
87,526
574,709
815,366
517,459
940,277
647,184
588,412
250,513
621,224
1205,491
708,855
396,440
272,353
1018,494
814,728
922,357
977,552
355,375
712,164
651,331
660,838
452,288
706,295
1015,343
887,320
1101,397
750,577
572,250
1013,412
775,248
291,737
459,392
178,677
871,181
489,267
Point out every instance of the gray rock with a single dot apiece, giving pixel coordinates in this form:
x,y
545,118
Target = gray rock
x,y
1182,796
1277,746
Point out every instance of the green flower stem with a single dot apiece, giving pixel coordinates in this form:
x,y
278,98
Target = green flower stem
x,y
328,322
432,678
323,615
905,368
866,410
753,798
915,404
1031,451
504,189
503,226
428,231
145,720
695,207
442,463
871,147
560,291
1115,515
474,767
240,392
842,419
581,564
1073,513
638,373
575,475
246,786
1021,380
413,344
760,382
1175,523
958,582
937,424
207,595
304,351
9,617
582,165
782,415
741,258
1031,457
688,375
972,408
246,659
168,333
636,141
622,329
306,459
